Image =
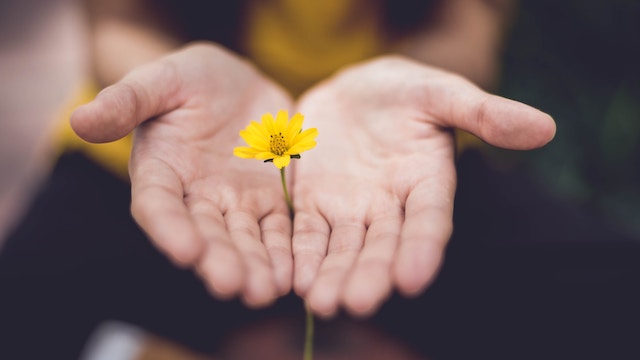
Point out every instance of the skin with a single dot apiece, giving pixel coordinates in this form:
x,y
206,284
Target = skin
x,y
373,200
204,208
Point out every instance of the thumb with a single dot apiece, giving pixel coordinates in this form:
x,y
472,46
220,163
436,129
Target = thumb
x,y
499,121
145,92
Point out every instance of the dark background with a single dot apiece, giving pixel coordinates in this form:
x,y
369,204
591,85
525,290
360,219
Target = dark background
x,y
580,62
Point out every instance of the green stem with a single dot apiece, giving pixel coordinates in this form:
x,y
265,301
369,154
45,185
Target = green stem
x,y
287,198
308,340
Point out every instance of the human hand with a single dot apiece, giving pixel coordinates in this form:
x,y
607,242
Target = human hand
x,y
199,204
374,200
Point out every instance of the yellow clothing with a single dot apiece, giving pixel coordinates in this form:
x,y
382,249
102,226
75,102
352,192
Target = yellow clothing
x,y
114,155
297,43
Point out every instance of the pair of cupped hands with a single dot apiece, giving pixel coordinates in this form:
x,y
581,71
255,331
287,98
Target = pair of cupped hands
x,y
373,201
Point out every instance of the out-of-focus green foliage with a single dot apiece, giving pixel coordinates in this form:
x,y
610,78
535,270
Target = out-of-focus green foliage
x,y
580,62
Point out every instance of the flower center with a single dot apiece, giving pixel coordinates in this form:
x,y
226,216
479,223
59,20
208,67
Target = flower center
x,y
277,144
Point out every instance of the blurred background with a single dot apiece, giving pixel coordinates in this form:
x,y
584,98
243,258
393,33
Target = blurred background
x,y
43,60
576,60
579,61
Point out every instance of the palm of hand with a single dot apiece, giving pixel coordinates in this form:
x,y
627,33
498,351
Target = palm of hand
x,y
204,207
373,202
374,199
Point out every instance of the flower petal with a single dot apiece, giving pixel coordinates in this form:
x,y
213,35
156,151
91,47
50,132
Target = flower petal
x,y
293,128
258,129
281,121
303,142
305,136
301,147
309,133
269,123
261,136
253,140
281,161
265,155
245,152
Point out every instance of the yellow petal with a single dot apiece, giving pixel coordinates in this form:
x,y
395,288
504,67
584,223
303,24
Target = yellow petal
x,y
281,161
254,141
304,141
269,123
245,152
293,128
307,135
301,147
265,155
258,129
281,121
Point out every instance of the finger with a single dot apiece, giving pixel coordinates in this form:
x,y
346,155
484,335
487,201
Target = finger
x,y
147,91
221,267
260,286
345,243
310,240
276,236
499,121
426,230
157,206
370,283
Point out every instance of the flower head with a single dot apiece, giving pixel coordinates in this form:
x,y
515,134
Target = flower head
x,y
276,140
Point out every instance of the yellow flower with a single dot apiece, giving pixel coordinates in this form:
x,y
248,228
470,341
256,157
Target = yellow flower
x,y
276,140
